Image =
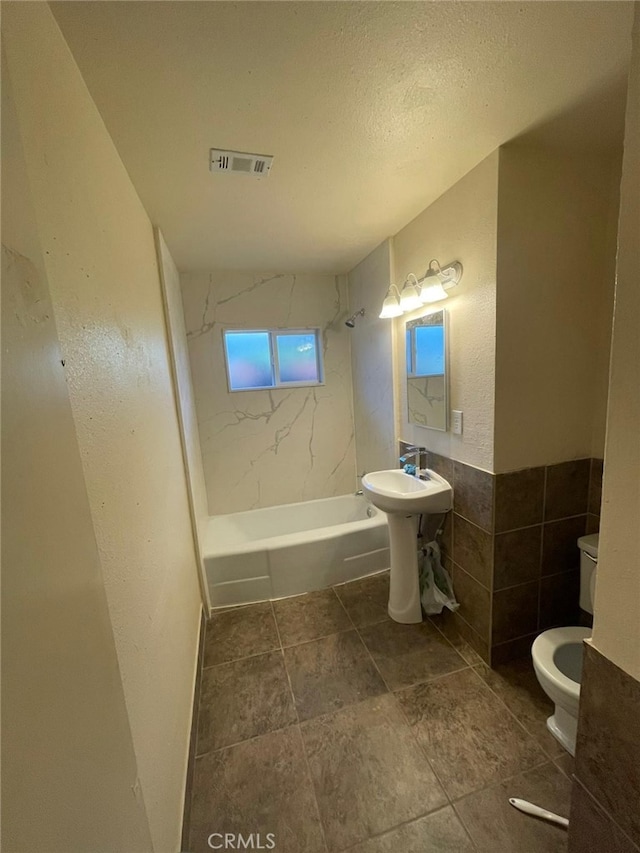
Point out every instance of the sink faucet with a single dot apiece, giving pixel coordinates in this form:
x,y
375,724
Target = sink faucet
x,y
415,452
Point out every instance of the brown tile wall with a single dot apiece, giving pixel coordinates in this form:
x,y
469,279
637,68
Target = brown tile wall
x,y
605,809
510,545
467,547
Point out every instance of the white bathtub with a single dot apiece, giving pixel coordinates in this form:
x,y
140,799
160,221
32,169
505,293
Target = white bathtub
x,y
294,548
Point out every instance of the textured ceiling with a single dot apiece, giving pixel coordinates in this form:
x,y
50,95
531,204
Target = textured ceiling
x,y
372,110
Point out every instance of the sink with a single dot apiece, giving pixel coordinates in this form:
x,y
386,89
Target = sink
x,y
405,497
395,491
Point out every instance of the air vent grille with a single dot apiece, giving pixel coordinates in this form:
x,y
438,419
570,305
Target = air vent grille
x,y
240,163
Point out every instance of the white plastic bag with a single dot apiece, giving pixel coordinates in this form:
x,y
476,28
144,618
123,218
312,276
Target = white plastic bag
x,y
435,582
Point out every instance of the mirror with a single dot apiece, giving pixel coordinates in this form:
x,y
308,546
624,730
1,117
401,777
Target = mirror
x,y
427,371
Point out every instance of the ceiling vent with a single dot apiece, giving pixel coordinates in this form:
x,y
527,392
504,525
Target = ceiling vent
x,y
240,163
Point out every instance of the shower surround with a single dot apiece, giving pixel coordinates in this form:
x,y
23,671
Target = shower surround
x,y
279,446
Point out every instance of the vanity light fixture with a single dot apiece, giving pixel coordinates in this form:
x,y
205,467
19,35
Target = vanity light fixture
x,y
391,305
410,294
432,287
437,281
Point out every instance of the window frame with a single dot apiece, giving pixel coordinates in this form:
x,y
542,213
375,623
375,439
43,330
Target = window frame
x,y
273,333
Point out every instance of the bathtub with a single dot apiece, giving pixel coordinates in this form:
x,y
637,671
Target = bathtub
x,y
294,548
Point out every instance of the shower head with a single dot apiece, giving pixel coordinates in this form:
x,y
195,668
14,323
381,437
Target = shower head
x,y
351,322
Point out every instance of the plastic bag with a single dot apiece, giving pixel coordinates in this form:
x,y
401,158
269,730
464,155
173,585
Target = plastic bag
x,y
435,582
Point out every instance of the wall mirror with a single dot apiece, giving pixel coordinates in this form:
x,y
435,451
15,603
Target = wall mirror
x,y
427,371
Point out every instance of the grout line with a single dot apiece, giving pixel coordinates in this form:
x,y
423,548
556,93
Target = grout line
x,y
405,718
376,667
605,810
246,740
541,553
299,727
343,607
455,803
498,782
441,632
479,636
517,585
474,523
421,748
246,657
473,578
515,639
316,639
275,621
283,728
433,678
537,524
516,718
395,827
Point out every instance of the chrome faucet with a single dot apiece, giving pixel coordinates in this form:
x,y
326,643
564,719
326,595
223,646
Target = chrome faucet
x,y
415,452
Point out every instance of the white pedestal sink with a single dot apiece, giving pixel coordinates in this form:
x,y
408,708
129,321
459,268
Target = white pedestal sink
x,y
404,498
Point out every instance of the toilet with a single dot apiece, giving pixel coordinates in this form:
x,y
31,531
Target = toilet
x,y
557,655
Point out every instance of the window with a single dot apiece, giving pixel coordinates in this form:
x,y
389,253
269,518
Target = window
x,y
279,358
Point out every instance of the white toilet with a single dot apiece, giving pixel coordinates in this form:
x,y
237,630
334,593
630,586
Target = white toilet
x,y
557,655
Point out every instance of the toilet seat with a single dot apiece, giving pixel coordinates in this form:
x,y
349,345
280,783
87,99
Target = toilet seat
x,y
544,649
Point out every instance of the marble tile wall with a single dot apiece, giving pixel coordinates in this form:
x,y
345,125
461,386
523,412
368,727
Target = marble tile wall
x,y
605,813
510,545
264,448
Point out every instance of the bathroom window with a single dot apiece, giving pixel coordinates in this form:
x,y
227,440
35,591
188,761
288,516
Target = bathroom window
x,y
272,358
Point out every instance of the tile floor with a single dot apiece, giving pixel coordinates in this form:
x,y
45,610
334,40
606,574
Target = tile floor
x,y
332,727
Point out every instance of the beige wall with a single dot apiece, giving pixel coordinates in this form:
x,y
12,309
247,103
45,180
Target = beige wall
x,y
69,781
100,261
556,262
616,630
460,225
530,322
185,402
263,448
372,363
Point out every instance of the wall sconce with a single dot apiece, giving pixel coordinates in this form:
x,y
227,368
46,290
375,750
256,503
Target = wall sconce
x,y
410,294
391,305
416,292
437,281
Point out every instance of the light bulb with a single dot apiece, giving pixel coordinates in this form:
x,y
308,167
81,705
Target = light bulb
x,y
410,297
432,292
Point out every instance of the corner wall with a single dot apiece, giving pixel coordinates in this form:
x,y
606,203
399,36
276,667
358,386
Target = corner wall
x,y
616,630
100,261
556,261
185,404
460,225
372,363
264,448
606,790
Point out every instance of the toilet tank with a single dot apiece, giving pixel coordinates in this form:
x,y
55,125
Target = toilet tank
x,y
588,561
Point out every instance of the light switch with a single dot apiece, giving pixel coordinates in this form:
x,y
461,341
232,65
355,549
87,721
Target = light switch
x,y
456,422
